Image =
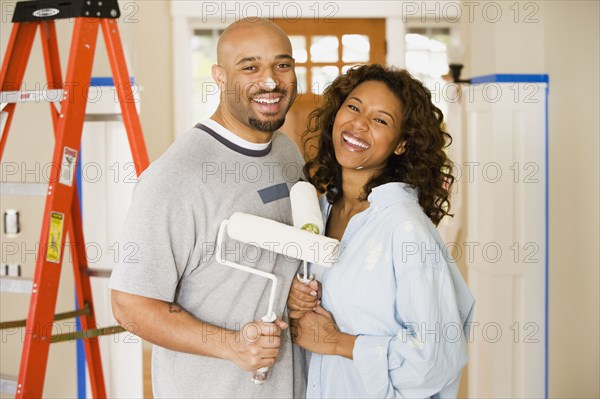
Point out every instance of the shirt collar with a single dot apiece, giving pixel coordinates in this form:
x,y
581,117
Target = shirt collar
x,y
234,138
390,193
234,142
380,197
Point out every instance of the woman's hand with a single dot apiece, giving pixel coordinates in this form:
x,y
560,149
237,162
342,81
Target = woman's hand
x,y
317,332
304,297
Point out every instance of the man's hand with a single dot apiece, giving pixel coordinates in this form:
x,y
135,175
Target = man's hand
x,y
256,345
304,297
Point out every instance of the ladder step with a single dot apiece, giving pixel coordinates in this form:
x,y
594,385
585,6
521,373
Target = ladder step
x,y
29,96
98,272
24,189
42,10
8,384
16,285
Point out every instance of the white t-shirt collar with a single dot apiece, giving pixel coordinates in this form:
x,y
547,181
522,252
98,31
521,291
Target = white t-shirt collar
x,y
234,138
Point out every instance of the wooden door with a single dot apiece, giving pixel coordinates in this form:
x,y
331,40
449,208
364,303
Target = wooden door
x,y
323,50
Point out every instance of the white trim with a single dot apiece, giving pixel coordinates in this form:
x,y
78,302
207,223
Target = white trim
x,y
395,29
182,75
228,11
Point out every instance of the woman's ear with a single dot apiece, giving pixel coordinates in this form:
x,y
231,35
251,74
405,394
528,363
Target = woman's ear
x,y
401,148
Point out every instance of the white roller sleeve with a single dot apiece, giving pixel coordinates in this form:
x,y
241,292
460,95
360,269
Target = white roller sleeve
x,y
305,208
283,239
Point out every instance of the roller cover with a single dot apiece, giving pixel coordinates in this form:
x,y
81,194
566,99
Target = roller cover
x,y
305,208
283,239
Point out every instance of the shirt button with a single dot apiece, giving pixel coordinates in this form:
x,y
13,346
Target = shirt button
x,y
314,386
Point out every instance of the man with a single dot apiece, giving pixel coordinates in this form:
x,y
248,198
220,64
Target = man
x,y
204,317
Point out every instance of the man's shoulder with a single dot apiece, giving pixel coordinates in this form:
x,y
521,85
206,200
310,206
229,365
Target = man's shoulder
x,y
282,139
181,160
283,144
188,149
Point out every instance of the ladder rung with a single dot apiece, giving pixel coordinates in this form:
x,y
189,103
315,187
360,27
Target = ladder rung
x,y
17,285
24,189
28,96
85,311
97,272
86,334
8,384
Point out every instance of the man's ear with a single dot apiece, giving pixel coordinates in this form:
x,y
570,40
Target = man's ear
x,y
401,148
219,75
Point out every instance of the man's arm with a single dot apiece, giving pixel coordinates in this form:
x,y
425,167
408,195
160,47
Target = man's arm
x,y
169,326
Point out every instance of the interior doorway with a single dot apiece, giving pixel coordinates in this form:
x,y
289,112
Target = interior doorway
x,y
323,51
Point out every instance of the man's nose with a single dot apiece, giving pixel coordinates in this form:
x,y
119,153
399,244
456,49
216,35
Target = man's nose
x,y
269,84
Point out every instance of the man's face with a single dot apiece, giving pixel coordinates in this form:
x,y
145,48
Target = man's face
x,y
258,78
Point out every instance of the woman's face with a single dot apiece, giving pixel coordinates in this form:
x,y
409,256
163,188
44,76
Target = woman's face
x,y
366,129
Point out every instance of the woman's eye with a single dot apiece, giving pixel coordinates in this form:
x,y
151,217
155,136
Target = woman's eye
x,y
352,107
378,120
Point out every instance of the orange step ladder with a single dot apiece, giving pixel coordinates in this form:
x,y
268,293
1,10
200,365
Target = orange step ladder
x,y
62,210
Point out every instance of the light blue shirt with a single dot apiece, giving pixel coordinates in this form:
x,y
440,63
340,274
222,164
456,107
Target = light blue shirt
x,y
397,289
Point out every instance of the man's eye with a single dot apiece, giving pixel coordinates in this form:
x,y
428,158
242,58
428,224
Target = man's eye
x,y
284,66
249,68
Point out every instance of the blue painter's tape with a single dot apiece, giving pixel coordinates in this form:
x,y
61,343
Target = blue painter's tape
x,y
106,81
511,78
79,348
274,193
547,254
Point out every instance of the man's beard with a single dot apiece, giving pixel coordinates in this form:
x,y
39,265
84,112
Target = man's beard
x,y
266,126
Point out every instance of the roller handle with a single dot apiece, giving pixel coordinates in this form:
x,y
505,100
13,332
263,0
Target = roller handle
x,y
305,279
310,227
260,376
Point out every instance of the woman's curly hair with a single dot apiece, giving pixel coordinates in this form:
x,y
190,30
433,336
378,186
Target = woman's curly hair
x,y
423,164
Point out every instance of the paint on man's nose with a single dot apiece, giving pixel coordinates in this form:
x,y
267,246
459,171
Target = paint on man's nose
x,y
270,84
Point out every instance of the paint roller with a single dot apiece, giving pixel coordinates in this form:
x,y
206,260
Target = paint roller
x,y
306,215
280,238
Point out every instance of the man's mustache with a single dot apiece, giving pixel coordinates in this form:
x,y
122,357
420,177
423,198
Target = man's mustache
x,y
277,89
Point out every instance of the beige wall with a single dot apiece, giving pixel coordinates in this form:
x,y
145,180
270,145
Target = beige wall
x,y
571,43
152,60
145,28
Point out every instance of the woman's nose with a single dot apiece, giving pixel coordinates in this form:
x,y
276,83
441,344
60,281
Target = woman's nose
x,y
360,122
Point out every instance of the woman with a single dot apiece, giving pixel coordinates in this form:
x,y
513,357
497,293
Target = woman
x,y
393,310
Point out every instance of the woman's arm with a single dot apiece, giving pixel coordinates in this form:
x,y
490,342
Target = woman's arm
x,y
317,332
428,353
